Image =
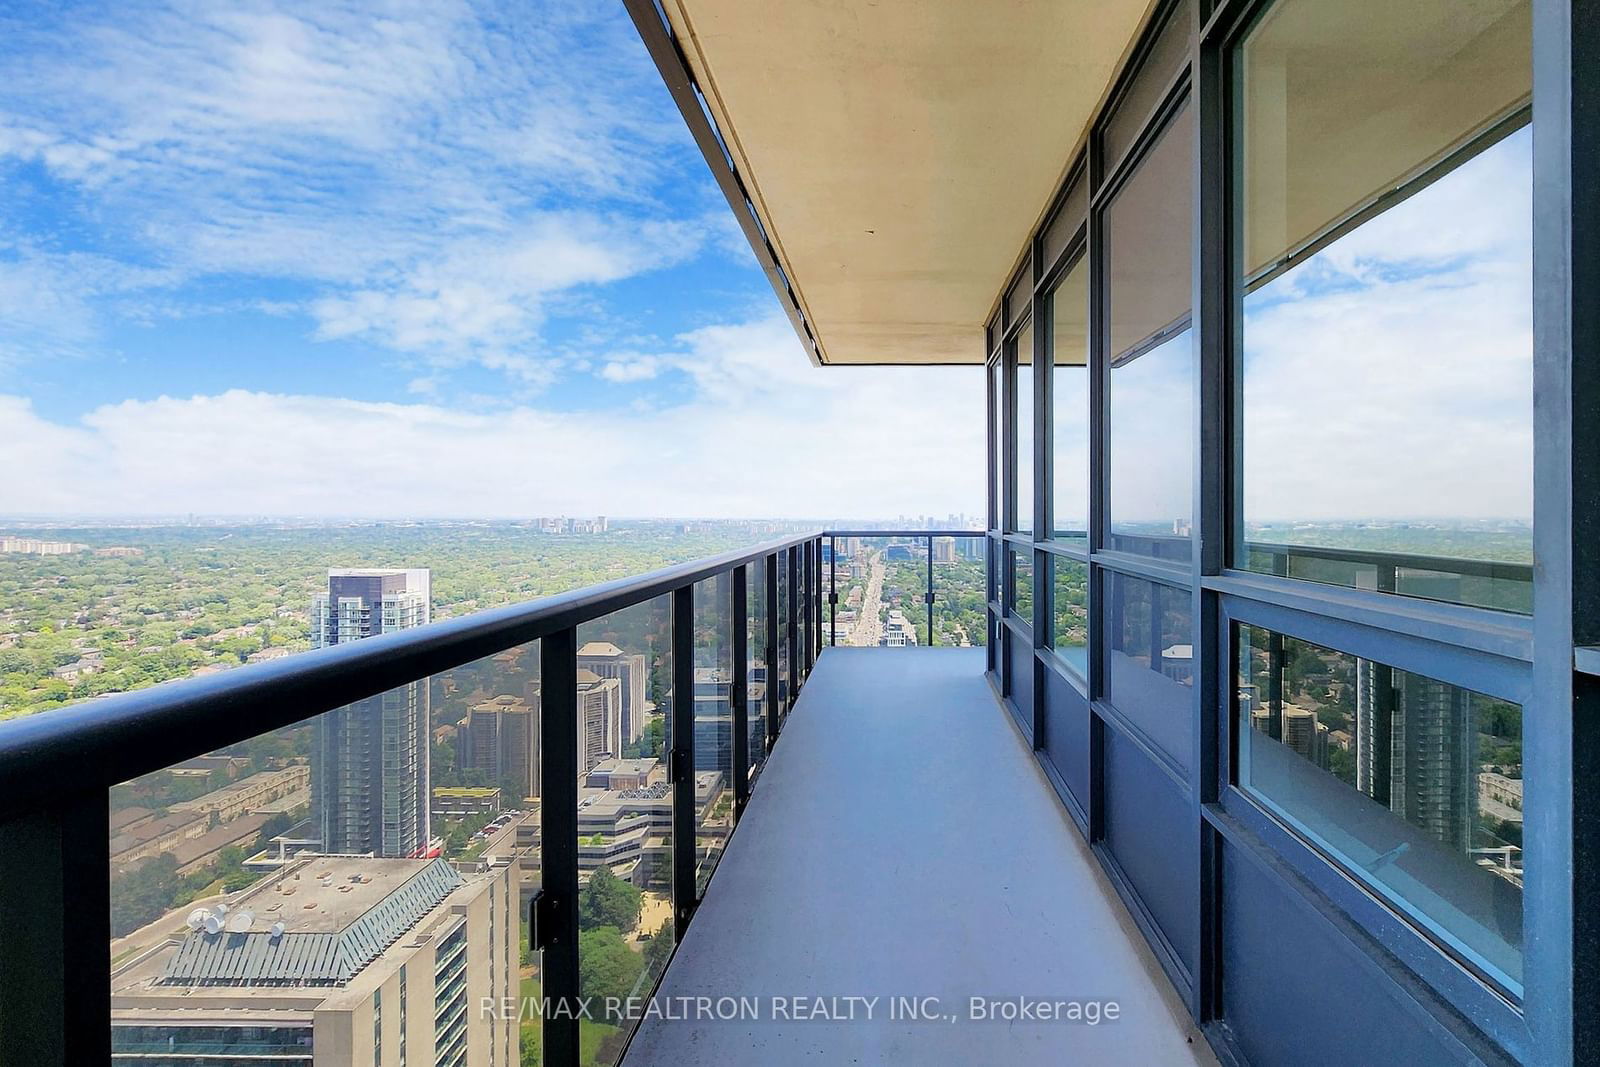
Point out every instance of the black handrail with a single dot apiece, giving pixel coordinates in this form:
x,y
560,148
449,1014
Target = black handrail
x,y
101,743
58,768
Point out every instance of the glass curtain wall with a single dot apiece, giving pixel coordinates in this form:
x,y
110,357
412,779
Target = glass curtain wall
x,y
1286,467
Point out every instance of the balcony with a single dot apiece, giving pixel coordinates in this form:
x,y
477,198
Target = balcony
x,y
904,844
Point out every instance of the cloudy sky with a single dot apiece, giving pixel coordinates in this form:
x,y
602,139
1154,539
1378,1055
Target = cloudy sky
x,y
455,259
428,259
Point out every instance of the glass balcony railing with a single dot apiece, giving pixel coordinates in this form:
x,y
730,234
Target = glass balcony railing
x,y
906,588
537,794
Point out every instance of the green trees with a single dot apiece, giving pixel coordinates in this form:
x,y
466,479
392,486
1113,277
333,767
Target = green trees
x,y
609,901
143,894
607,968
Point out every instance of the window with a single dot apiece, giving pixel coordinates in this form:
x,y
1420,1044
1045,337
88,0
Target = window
x,y
1068,308
1069,622
1022,430
1020,600
1150,661
1169,51
1150,361
999,502
1385,278
1411,784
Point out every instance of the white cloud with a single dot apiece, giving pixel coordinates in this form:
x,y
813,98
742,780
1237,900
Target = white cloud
x,y
845,442
631,368
415,162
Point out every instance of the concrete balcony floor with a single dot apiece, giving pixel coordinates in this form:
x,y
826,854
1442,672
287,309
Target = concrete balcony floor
x,y
903,843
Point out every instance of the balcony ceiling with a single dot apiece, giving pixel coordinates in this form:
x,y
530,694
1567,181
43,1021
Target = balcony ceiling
x,y
898,153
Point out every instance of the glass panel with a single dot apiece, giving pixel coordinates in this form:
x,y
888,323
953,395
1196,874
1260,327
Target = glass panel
x,y
1150,437
221,876
1069,349
1387,407
1150,661
1169,52
958,591
624,817
1064,224
713,723
999,502
784,644
881,582
1019,295
1023,430
1069,624
1412,784
756,671
1020,601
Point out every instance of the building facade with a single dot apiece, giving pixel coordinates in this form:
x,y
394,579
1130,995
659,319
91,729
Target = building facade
x,y
332,961
369,771
606,660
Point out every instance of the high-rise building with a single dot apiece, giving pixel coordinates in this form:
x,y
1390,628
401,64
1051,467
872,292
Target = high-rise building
x,y
1305,735
713,719
944,550
1434,783
599,719
369,775
606,660
1415,750
501,739
333,961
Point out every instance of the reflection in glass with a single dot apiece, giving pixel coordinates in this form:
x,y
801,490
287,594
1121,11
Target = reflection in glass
x,y
1021,571
1412,784
713,723
1069,628
1150,660
1069,348
1150,360
1387,412
1023,435
756,671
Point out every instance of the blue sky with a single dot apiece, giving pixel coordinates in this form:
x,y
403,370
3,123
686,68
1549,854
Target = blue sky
x,y
473,241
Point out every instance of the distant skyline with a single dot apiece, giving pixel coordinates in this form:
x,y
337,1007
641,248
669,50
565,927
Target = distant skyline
x,y
479,241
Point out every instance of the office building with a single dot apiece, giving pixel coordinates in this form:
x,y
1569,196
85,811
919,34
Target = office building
x,y
369,768
500,739
599,719
606,660
332,961
1303,734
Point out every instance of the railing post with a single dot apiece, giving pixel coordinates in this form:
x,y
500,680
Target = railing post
x,y
771,572
55,912
792,582
555,925
681,764
739,697
930,591
833,589
804,605
816,601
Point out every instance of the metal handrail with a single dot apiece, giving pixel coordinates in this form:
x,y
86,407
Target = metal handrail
x,y
59,766
1462,565
101,743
